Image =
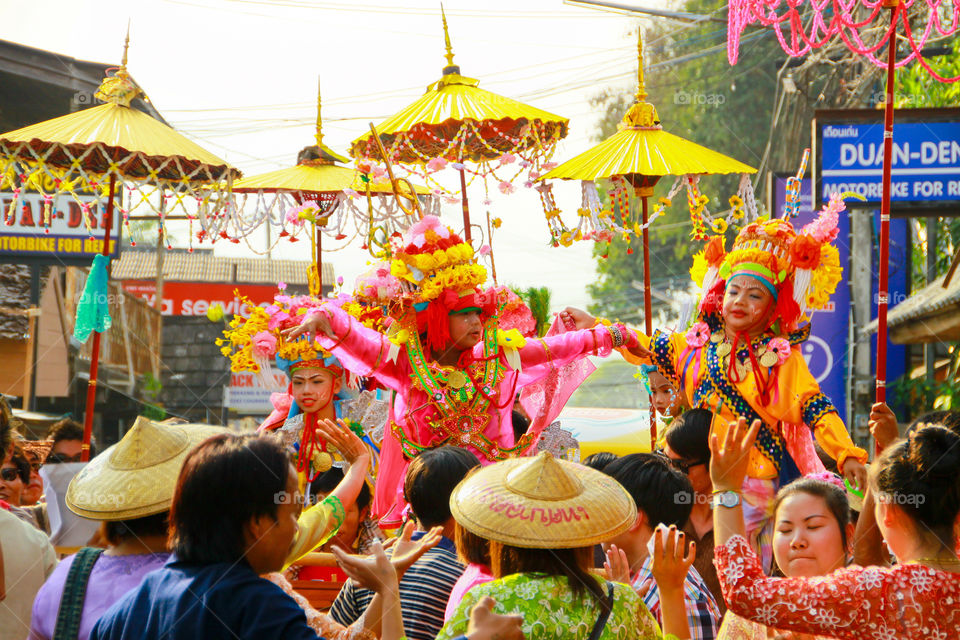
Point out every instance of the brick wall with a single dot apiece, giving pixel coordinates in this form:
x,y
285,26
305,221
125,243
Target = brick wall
x,y
193,370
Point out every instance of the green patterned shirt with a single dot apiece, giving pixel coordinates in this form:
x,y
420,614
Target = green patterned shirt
x,y
550,611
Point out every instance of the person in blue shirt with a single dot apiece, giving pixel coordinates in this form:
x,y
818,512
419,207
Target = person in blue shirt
x,y
233,519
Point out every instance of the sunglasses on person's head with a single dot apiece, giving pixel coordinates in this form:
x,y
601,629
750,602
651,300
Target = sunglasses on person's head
x,y
55,458
9,474
684,466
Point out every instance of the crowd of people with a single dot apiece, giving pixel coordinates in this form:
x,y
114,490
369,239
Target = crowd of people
x,y
201,531
410,462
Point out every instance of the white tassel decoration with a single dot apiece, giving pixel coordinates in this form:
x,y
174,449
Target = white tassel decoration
x,y
801,284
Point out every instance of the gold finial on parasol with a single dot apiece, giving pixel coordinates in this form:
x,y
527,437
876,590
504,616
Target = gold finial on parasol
x,y
642,113
641,88
126,46
119,88
319,134
450,68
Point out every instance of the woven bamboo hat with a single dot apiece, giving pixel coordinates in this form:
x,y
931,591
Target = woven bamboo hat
x,y
542,503
136,477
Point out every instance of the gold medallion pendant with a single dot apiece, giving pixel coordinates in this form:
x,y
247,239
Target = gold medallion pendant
x,y
724,349
456,379
321,461
768,359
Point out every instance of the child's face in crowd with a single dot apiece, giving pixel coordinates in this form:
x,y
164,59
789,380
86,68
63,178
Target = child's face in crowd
x,y
313,389
665,398
466,329
807,540
746,305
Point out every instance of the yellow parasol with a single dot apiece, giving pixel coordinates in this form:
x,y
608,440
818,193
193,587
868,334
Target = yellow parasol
x,y
641,152
456,121
318,179
76,154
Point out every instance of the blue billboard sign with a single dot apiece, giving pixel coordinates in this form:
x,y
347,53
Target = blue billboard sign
x,y
827,348
926,160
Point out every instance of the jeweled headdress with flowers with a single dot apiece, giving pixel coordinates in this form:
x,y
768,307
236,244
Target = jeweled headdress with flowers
x,y
253,342
801,269
432,257
438,274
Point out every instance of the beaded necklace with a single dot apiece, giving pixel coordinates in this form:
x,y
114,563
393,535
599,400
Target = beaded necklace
x,y
716,380
461,398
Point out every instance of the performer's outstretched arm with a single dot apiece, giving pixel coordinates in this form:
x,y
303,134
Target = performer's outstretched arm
x,y
360,349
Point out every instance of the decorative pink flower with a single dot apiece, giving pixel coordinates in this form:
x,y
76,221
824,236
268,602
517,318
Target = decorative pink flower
x,y
506,188
437,164
306,211
264,344
282,286
547,166
827,476
457,166
698,335
484,250
378,174
487,202
781,348
507,158
824,228
451,199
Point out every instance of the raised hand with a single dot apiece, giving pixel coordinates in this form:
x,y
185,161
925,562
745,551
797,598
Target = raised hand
x,y
406,551
669,567
670,563
616,565
487,625
345,440
313,324
372,572
883,425
729,460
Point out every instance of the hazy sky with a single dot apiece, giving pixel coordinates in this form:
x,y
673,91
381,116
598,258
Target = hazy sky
x,y
240,77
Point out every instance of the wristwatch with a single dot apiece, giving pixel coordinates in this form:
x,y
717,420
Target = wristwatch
x,y
728,499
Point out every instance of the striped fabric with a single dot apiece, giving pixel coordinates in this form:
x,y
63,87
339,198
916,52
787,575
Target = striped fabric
x,y
424,591
703,614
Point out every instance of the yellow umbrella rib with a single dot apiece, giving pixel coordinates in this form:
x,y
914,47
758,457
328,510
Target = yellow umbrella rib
x,y
650,152
459,102
315,179
120,128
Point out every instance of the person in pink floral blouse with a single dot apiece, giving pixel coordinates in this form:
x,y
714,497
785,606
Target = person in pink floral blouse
x,y
917,487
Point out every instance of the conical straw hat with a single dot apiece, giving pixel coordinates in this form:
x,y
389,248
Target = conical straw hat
x,y
542,503
135,477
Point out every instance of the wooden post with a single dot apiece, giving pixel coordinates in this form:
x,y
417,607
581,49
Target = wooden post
x,y
32,314
465,206
157,346
95,352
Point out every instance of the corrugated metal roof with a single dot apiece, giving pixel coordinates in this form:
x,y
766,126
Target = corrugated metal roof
x,y
930,299
203,266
